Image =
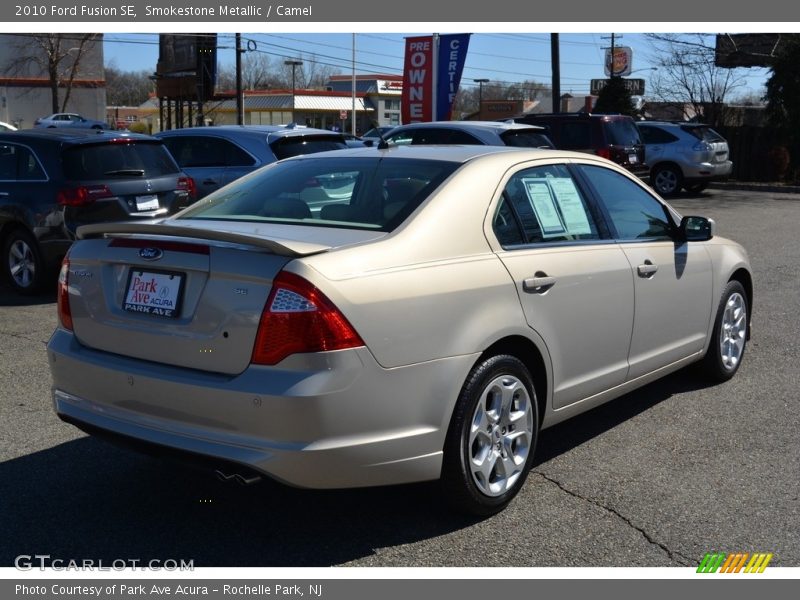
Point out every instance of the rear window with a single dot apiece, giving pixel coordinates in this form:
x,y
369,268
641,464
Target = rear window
x,y
287,147
118,159
703,133
363,193
526,139
622,132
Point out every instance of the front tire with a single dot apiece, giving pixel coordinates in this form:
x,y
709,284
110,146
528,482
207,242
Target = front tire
x,y
726,350
22,264
492,437
667,180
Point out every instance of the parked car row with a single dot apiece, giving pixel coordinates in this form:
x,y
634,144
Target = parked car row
x,y
53,180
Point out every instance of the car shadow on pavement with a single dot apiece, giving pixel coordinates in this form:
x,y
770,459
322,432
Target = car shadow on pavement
x,y
578,430
10,298
87,499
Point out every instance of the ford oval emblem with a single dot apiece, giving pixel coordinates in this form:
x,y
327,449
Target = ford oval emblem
x,y
150,253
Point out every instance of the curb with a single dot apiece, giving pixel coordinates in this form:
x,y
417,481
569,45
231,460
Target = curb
x,y
772,188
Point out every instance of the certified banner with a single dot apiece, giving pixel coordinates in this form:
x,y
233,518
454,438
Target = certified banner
x,y
452,56
418,73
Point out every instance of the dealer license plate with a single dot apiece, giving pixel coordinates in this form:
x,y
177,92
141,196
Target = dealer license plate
x,y
633,159
147,202
154,293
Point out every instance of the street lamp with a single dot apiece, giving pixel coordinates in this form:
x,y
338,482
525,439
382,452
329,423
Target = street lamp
x,y
294,64
480,83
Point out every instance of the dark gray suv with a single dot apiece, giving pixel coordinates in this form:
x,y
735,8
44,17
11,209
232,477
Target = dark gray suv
x,y
215,156
54,180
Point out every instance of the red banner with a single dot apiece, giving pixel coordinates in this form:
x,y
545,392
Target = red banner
x,y
417,100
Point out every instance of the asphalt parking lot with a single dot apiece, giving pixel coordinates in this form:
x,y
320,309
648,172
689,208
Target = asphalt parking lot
x,y
656,478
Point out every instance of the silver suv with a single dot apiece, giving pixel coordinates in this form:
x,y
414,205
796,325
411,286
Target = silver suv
x,y
684,155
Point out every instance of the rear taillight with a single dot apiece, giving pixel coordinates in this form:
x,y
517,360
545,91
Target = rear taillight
x,y
604,153
300,318
83,195
187,184
64,312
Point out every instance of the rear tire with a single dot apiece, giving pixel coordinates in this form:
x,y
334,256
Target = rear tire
x,y
22,263
695,188
667,180
492,437
728,342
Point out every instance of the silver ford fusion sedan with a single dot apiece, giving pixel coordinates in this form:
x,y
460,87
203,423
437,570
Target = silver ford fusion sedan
x,y
358,318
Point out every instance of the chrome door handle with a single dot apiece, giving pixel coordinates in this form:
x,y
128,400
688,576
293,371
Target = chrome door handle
x,y
648,269
538,284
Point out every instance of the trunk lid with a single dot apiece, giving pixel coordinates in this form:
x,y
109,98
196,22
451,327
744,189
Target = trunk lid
x,y
186,294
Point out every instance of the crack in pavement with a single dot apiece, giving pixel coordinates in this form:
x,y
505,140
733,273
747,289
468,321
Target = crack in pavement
x,y
673,555
20,336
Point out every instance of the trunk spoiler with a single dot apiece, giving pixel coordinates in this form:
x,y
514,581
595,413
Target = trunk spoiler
x,y
281,247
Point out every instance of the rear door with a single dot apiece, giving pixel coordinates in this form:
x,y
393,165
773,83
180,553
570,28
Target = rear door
x,y
574,283
205,159
672,279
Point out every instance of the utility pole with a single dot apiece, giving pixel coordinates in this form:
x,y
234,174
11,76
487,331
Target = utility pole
x,y
239,90
555,66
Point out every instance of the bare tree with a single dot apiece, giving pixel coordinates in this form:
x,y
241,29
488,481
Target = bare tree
x,y
58,56
127,88
687,75
466,101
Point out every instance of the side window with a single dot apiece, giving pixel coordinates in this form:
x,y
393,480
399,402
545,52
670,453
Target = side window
x,y
461,137
202,151
576,135
634,213
544,205
655,135
18,163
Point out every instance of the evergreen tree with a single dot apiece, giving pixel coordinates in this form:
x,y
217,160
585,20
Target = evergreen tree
x,y
615,98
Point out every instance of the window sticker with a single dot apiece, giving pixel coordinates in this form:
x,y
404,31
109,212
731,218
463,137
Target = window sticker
x,y
544,207
570,205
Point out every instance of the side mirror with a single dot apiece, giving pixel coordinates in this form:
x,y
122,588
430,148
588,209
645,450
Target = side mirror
x,y
697,229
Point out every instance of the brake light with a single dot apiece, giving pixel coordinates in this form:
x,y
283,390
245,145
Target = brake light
x,y
604,153
83,195
187,184
297,318
64,312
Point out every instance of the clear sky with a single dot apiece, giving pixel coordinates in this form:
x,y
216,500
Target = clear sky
x,y
507,57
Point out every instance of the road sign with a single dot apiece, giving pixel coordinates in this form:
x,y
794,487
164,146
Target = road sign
x,y
622,62
634,86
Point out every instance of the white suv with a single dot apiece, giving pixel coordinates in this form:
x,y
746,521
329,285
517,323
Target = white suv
x,y
684,155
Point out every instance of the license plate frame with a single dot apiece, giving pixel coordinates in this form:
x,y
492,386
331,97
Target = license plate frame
x,y
146,203
147,292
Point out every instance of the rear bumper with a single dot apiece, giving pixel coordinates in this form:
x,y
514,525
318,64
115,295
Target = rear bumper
x,y
327,420
707,171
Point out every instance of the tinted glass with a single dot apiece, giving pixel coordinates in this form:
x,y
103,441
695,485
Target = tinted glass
x,y
547,205
295,146
526,139
206,151
364,193
576,135
622,132
634,213
656,135
126,159
703,133
17,163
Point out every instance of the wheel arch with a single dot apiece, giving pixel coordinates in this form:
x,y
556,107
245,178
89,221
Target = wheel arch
x,y
665,163
744,277
534,360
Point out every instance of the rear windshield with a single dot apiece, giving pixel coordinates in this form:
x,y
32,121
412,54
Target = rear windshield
x,y
704,133
364,193
526,139
622,132
287,147
118,159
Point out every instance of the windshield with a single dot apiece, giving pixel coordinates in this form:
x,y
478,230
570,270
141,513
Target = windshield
x,y
364,193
